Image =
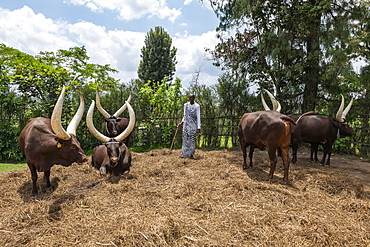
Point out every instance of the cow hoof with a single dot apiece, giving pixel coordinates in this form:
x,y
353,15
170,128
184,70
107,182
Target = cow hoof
x,y
103,170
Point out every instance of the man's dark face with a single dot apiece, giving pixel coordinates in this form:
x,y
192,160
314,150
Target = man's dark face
x,y
191,98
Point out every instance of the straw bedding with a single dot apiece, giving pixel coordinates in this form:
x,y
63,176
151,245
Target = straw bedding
x,y
169,201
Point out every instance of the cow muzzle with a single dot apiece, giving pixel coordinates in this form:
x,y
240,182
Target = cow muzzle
x,y
84,159
113,161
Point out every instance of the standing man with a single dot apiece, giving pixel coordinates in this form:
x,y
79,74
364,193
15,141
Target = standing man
x,y
191,129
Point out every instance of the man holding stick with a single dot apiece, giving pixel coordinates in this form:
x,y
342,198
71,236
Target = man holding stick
x,y
191,127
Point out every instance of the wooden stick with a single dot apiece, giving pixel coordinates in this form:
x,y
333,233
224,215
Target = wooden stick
x,y
173,139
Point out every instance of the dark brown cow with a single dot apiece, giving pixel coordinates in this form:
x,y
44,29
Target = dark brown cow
x,y
113,157
314,146
113,125
321,129
45,143
263,129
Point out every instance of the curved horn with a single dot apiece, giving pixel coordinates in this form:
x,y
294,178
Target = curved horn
x,y
123,108
275,104
90,125
340,111
278,108
344,114
265,106
56,118
71,129
102,111
130,126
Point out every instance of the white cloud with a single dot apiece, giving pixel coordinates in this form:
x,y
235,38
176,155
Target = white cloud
x,y
31,33
129,10
187,2
192,56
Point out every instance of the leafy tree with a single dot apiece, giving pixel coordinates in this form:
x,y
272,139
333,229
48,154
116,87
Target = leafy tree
x,y
30,85
300,47
165,102
158,59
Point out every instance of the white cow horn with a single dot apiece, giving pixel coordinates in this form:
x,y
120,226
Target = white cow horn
x,y
56,118
339,115
123,108
102,111
265,106
344,114
90,125
275,104
71,129
130,126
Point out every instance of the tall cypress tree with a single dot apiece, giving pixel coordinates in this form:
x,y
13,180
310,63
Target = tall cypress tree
x,y
158,58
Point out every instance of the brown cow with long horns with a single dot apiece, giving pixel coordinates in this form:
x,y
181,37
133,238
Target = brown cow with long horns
x,y
263,129
114,156
114,125
45,143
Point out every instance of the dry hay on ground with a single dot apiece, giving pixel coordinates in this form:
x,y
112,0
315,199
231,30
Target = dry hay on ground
x,y
169,201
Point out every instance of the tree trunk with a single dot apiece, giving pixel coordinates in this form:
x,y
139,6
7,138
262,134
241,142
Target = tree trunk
x,y
312,70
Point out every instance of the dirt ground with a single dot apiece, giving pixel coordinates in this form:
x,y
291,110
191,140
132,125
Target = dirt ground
x,y
353,165
206,201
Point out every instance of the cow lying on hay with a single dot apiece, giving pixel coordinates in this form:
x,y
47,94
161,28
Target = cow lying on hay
x,y
112,157
44,142
114,125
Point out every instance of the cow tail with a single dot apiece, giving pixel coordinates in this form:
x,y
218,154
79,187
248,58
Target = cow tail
x,y
304,114
288,119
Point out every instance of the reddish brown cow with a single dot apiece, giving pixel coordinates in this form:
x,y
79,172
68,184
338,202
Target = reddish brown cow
x,y
113,125
45,143
113,157
263,129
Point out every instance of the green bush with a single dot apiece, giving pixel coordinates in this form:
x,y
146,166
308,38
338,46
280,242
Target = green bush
x,y
9,150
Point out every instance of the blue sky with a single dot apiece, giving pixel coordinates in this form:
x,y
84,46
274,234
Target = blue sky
x,y
113,31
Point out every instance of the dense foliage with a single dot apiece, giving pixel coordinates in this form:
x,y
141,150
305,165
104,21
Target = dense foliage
x,y
302,50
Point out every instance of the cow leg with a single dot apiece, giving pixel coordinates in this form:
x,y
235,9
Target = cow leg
x,y
273,161
285,157
324,157
330,148
294,149
34,178
314,149
47,180
103,170
244,150
327,152
251,150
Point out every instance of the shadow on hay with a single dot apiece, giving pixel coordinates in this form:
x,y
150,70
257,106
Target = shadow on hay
x,y
259,172
56,207
112,179
26,188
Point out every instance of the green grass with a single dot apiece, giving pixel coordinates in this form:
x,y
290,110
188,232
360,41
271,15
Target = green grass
x,y
6,167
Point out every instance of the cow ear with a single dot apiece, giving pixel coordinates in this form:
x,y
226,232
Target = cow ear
x,y
118,119
59,142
